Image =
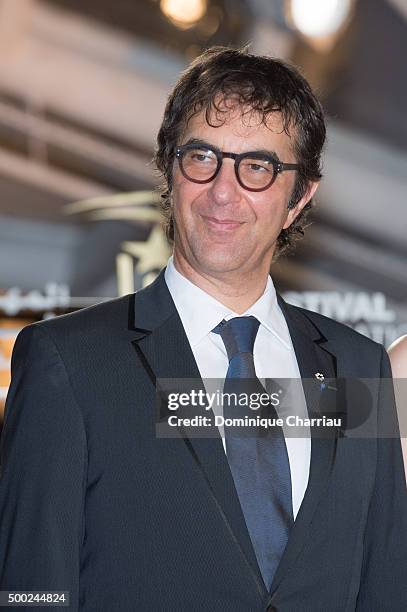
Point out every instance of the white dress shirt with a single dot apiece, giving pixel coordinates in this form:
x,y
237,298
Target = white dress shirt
x,y
273,353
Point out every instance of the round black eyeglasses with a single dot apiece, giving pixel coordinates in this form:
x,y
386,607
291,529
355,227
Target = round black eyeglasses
x,y
255,170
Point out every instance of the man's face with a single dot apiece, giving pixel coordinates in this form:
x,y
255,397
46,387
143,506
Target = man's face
x,y
220,227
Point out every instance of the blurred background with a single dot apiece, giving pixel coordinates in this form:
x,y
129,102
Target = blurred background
x,y
83,84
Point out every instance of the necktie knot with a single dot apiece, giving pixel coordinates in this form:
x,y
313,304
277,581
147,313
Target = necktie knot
x,y
238,335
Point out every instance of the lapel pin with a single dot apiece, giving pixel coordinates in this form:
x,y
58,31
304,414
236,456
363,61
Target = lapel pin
x,y
321,378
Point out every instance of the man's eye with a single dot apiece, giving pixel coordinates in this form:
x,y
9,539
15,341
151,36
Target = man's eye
x,y
255,167
200,157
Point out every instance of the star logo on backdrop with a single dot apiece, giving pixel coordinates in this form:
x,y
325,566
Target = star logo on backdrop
x,y
152,253
143,257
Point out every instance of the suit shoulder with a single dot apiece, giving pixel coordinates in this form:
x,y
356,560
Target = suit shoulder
x,y
339,333
102,316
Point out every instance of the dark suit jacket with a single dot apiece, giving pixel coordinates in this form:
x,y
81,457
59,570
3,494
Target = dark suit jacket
x,y
92,502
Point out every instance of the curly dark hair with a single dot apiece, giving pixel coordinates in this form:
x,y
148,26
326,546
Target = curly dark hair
x,y
258,83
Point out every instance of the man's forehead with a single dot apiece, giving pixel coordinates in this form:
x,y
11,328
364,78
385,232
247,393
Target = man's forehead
x,y
231,112
240,121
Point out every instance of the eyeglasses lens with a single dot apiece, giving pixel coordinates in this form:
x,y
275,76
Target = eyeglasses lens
x,y
199,164
256,173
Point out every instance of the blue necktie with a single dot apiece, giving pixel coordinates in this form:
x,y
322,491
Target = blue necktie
x,y
259,463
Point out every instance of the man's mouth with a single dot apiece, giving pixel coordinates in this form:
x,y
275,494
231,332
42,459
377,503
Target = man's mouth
x,y
221,224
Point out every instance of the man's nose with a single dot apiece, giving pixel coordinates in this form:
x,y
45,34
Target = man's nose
x,y
224,188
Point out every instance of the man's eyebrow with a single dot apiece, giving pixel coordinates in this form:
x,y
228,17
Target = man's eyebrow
x,y
266,153
203,143
199,141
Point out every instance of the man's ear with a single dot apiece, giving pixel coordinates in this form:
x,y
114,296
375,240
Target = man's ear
x,y
295,211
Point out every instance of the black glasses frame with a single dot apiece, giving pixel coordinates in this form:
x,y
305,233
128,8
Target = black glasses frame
x,y
278,166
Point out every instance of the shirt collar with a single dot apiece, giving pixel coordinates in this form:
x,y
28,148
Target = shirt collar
x,y
200,312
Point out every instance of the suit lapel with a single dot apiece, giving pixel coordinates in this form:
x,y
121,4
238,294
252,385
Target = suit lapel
x,y
313,356
165,352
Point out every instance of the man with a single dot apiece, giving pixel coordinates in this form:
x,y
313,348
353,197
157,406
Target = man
x,y
94,503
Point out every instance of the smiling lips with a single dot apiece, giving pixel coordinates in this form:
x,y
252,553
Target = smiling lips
x,y
221,224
